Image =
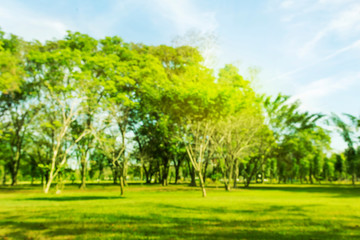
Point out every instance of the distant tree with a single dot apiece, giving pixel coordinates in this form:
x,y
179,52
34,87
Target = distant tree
x,y
58,67
17,104
349,134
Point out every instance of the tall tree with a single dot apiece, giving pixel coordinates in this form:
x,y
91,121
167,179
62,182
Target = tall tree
x,y
351,137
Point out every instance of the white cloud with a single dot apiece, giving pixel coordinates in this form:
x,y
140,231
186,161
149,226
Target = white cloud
x,y
317,90
345,22
21,21
287,4
354,45
184,15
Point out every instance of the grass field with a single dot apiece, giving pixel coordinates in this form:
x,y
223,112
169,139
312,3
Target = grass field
x,y
179,212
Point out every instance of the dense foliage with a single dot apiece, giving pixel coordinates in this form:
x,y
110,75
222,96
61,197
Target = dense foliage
x,y
81,108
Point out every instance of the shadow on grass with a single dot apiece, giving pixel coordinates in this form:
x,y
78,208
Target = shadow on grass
x,y
338,191
158,226
71,198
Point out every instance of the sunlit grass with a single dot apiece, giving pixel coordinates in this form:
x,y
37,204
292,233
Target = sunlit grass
x,y
179,212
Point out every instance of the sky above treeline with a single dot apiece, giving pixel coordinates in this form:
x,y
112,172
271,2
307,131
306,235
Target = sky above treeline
x,y
309,49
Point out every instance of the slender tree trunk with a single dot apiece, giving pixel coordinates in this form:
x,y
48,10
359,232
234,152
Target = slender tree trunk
x,y
353,177
151,174
311,173
100,175
14,167
48,184
51,174
83,172
13,178
121,185
236,172
248,179
177,170
192,175
60,184
165,173
227,185
147,175
205,169
247,182
115,175
229,173
310,178
202,185
4,176
164,181
141,171
45,179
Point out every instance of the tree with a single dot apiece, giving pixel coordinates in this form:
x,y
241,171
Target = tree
x,y
239,126
261,145
348,132
11,63
128,75
201,110
18,90
300,140
58,65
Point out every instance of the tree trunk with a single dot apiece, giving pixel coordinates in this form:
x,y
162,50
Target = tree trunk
x,y
202,185
177,171
100,175
121,186
205,169
13,178
45,181
311,173
83,173
192,175
4,176
147,174
227,180
48,183
227,185
236,173
115,175
60,184
15,165
310,178
165,173
13,172
228,172
164,181
147,177
141,171
353,177
247,182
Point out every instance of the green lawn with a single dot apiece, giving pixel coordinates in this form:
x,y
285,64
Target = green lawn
x,y
179,212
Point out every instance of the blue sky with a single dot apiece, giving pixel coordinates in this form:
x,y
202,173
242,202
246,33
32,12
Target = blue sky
x,y
309,49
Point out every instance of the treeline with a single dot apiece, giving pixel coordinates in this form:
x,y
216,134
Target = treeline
x,y
153,113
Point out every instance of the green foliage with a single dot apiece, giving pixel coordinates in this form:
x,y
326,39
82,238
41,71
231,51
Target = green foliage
x,y
112,105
